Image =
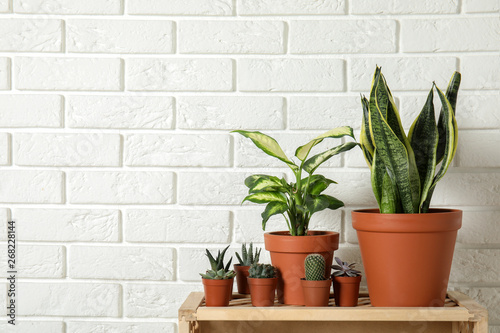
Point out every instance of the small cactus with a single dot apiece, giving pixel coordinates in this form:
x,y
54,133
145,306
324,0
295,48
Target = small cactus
x,y
262,271
315,267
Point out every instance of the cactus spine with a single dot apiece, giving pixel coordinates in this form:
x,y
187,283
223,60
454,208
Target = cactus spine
x,y
315,267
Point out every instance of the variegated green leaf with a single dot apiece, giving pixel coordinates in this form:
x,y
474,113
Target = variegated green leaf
x,y
424,139
365,140
451,135
394,155
264,184
389,200
268,145
317,184
378,172
451,95
318,203
303,151
265,197
314,162
272,208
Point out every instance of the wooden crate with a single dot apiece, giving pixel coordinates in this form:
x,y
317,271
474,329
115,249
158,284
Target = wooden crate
x,y
460,314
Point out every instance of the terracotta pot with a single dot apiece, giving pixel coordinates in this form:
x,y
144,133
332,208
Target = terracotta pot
x,y
241,278
218,292
288,254
346,290
262,291
407,257
316,293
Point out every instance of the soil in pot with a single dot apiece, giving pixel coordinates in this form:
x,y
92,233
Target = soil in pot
x,y
218,292
262,291
316,293
419,248
346,290
288,254
241,279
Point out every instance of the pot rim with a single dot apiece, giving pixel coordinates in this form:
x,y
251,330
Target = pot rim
x,y
348,279
262,281
437,220
214,282
316,241
316,283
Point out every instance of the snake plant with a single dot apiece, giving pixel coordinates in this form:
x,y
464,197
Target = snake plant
x,y
406,169
302,198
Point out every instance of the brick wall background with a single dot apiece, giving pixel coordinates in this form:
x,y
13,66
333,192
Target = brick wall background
x,y
118,165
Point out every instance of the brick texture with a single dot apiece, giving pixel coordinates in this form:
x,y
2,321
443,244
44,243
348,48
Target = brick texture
x,y
118,164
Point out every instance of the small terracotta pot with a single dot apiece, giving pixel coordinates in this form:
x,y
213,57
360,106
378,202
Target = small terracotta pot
x,y
419,247
262,291
346,290
218,292
316,293
241,279
288,254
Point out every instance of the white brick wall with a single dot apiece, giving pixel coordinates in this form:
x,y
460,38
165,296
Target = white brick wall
x,y
117,163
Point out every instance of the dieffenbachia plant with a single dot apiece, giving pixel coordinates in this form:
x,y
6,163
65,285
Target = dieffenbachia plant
x,y
299,200
404,169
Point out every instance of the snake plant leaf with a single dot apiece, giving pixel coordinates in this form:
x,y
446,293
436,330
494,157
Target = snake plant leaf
x,y
273,208
389,201
265,197
265,184
378,171
424,140
303,151
268,145
451,135
314,162
383,93
395,157
365,139
451,95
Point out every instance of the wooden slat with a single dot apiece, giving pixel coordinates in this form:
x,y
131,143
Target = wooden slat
x,y
187,311
286,313
479,314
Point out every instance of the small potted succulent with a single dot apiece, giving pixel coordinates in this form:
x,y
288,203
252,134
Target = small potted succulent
x,y
316,287
345,283
246,259
262,281
218,281
296,201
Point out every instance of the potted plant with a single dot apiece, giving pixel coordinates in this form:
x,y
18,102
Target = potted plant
x,y
297,201
315,286
346,282
262,281
246,259
218,281
404,231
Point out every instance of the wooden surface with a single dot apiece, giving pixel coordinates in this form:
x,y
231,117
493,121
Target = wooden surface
x,y
460,314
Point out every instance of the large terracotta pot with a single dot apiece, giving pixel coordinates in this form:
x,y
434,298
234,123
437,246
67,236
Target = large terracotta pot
x,y
407,257
316,293
241,278
288,254
262,291
218,292
346,290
